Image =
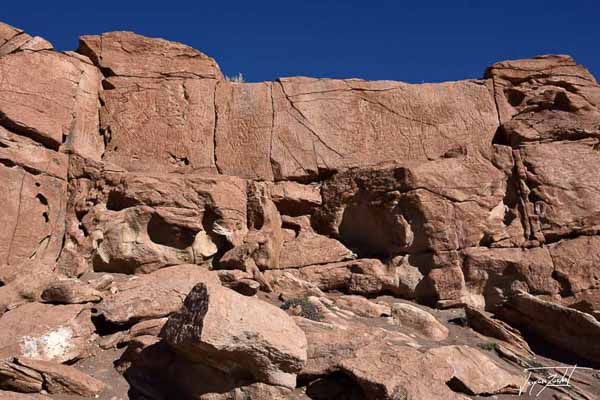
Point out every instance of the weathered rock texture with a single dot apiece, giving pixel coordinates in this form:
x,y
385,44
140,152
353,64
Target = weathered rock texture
x,y
240,336
135,156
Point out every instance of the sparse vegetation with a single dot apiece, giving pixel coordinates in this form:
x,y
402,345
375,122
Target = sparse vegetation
x,y
490,346
535,364
304,308
239,78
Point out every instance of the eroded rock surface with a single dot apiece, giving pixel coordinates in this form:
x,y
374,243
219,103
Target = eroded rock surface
x,y
239,335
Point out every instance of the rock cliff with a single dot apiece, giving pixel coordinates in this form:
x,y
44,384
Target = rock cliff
x,y
296,239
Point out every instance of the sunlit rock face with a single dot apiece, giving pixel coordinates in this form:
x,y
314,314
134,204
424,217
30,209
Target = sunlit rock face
x,y
151,204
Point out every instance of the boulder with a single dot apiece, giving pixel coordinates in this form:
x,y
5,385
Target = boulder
x,y
295,199
46,332
490,272
445,287
306,247
362,276
336,339
154,295
24,283
27,375
406,276
418,320
492,327
475,373
326,277
70,291
241,336
363,306
287,286
247,287
153,369
587,301
240,281
576,264
577,333
389,373
145,328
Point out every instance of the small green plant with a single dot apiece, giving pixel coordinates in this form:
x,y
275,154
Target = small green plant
x,y
490,346
306,308
239,78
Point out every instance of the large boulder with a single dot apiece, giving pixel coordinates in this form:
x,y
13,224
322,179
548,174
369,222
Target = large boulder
x,y
303,246
244,337
388,373
154,295
23,283
577,332
46,332
492,327
151,367
386,365
261,248
295,199
418,320
475,373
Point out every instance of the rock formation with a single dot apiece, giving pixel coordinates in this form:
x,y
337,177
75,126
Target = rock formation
x,y
169,233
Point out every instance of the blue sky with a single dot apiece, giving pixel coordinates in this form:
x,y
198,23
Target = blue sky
x,y
411,41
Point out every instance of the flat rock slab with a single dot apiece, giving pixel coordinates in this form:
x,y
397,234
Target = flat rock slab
x,y
46,332
26,375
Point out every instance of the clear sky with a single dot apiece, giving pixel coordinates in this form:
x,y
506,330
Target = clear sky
x,y
411,41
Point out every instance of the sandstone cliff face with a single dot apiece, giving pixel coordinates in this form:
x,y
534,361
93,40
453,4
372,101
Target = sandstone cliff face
x,y
135,156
